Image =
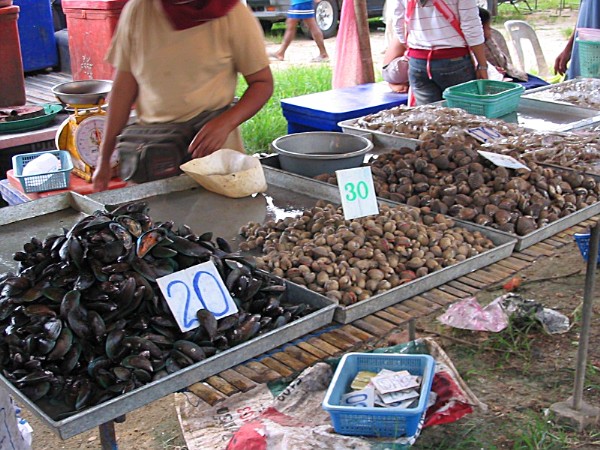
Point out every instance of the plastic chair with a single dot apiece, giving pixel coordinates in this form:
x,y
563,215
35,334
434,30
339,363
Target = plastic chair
x,y
519,30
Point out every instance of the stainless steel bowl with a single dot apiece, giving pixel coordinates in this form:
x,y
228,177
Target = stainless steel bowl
x,y
316,152
84,92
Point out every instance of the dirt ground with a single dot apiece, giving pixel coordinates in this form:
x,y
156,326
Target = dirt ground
x,y
518,381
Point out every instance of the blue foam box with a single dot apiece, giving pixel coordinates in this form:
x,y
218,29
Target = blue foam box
x,y
322,111
36,34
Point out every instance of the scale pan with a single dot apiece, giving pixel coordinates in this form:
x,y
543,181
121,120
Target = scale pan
x,y
84,92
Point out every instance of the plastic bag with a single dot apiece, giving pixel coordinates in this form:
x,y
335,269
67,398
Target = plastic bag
x,y
228,172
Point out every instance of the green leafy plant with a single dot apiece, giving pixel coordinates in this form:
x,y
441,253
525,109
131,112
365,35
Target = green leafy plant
x,y
269,123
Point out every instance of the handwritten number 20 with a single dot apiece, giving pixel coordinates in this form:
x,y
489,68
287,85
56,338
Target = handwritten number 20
x,y
189,317
360,190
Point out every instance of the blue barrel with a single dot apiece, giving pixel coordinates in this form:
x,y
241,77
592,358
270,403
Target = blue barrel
x,y
36,33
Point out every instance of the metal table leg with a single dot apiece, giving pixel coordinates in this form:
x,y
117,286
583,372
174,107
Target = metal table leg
x,y
108,438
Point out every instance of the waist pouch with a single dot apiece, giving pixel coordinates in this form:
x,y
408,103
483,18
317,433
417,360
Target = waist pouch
x,y
150,152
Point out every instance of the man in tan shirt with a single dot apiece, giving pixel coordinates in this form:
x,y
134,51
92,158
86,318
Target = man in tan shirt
x,y
175,61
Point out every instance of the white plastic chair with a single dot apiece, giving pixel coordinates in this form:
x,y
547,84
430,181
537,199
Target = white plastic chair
x,y
519,30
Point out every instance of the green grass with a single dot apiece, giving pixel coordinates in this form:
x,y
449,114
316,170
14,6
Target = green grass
x,y
269,123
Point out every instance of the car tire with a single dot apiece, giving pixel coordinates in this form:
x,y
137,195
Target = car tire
x,y
266,25
327,15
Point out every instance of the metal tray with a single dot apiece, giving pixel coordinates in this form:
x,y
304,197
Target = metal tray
x,y
345,314
541,115
110,410
380,140
39,218
532,93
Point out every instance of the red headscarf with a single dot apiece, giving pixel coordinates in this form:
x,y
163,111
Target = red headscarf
x,y
185,14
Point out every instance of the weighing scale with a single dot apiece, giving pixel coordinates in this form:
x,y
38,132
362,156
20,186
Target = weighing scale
x,y
82,132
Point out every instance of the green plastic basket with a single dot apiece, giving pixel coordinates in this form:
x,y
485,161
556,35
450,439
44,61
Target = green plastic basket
x,y
589,58
489,98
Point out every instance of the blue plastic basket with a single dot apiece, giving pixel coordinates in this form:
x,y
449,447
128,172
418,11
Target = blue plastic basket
x,y
583,242
489,98
589,58
377,421
43,182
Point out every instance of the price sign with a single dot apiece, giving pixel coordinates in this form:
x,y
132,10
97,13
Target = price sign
x,y
357,192
197,287
364,398
503,160
484,134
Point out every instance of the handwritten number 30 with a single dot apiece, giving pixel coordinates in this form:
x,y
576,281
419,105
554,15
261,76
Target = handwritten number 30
x,y
189,318
360,190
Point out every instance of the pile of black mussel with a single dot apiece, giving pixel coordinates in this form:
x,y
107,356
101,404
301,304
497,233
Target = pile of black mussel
x,y
83,320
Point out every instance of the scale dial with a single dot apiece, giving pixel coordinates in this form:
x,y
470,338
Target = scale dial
x,y
88,137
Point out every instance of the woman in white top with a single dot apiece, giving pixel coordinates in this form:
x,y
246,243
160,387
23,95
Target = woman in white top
x,y
439,36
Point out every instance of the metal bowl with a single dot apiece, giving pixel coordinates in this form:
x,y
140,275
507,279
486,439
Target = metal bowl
x,y
316,152
84,92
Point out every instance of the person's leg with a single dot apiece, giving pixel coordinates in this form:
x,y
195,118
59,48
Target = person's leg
x,y
424,90
450,72
290,33
317,36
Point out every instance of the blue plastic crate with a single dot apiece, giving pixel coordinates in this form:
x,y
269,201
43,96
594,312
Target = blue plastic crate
x,y
322,111
583,242
11,195
377,421
43,182
589,58
36,34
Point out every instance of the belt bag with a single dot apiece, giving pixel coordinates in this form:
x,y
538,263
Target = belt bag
x,y
150,152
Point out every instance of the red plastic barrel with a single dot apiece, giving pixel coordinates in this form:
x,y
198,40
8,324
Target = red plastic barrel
x,y
91,24
12,80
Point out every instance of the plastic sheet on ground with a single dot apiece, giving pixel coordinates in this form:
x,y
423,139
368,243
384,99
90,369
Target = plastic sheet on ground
x,y
468,314
268,418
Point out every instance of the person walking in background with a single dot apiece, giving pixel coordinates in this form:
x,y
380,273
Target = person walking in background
x,y
301,10
589,17
440,36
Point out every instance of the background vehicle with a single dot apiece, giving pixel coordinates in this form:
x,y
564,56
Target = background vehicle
x,y
327,13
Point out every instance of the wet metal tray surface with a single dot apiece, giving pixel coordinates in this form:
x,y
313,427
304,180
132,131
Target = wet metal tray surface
x,y
39,218
112,409
346,314
541,115
579,88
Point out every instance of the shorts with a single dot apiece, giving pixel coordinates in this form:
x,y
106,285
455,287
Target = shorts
x,y
301,11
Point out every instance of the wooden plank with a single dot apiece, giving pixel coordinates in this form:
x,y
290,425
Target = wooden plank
x,y
440,297
389,317
513,263
398,312
313,350
483,277
454,291
560,240
369,327
250,373
336,341
277,366
526,255
301,355
463,287
362,335
472,282
346,336
554,241
221,385
500,271
418,308
383,324
289,361
237,379
324,345
267,373
431,306
206,393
